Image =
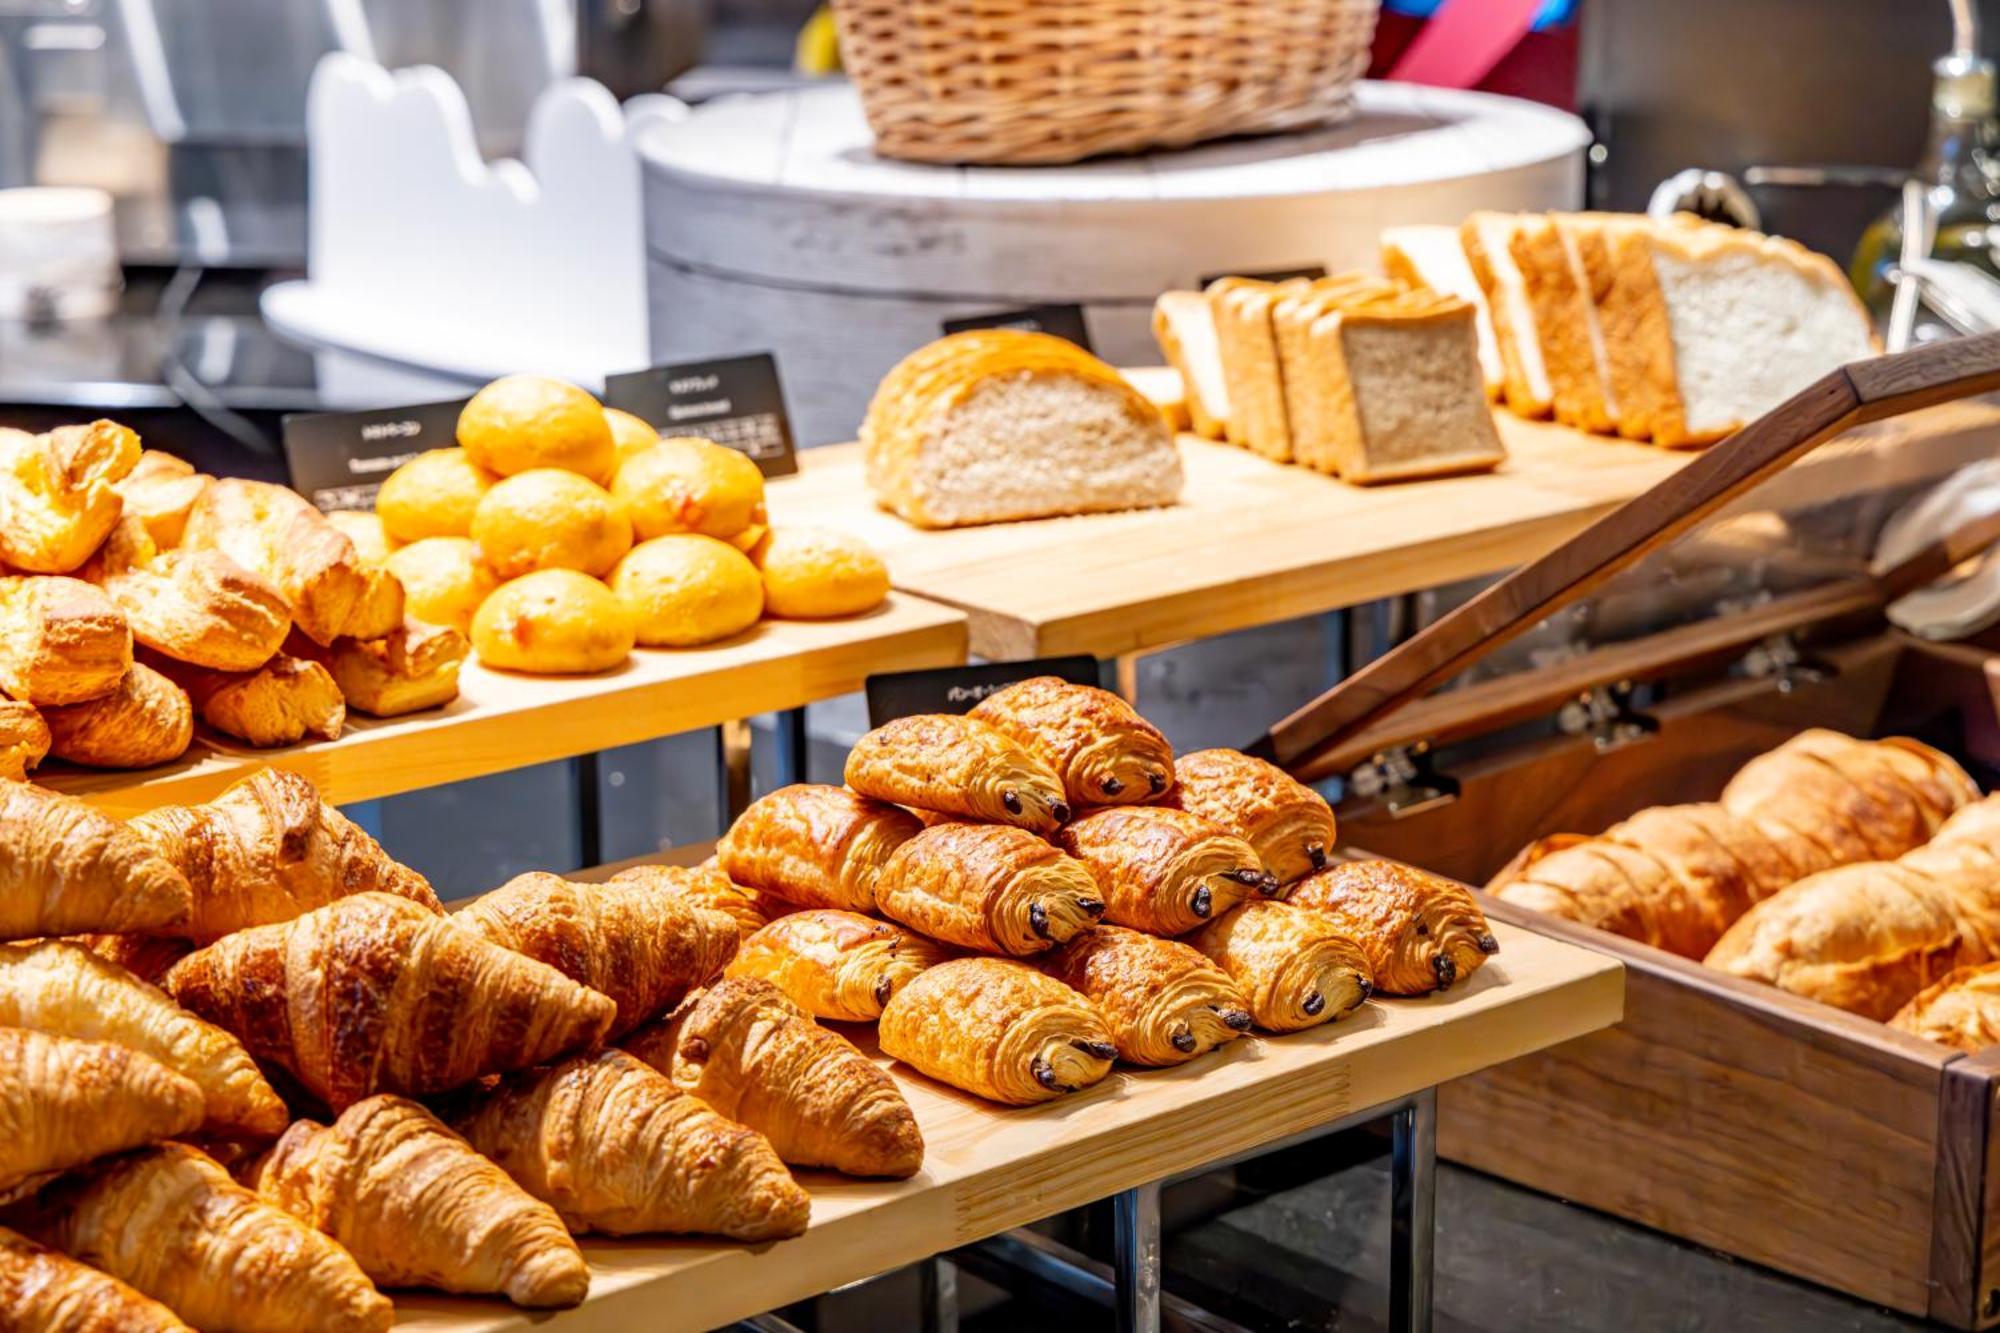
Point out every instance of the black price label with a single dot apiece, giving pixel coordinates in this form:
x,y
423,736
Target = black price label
x,y
338,460
736,401
1271,275
1063,321
957,689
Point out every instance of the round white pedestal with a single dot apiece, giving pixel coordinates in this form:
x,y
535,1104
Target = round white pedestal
x,y
771,225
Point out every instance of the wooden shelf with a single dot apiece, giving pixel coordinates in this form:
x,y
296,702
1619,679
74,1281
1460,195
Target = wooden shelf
x,y
1252,542
989,1168
502,721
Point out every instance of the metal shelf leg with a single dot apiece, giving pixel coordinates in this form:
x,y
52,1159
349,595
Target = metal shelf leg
x,y
1412,1212
1135,1218
938,1277
732,756
792,747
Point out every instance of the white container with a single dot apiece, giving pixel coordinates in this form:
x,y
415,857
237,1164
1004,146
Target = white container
x,y
58,254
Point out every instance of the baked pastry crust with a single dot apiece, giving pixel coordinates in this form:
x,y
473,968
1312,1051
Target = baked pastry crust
x,y
24,739
753,1055
1296,968
68,1102
1163,1001
1960,1010
57,501
1104,752
998,1029
66,869
159,491
815,845
147,720
62,641
1288,823
411,668
46,1291
836,965
1420,932
198,607
989,887
280,703
957,766
1164,871
707,885
274,532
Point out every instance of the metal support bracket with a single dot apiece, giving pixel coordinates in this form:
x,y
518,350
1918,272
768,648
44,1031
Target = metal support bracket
x,y
1404,779
1780,659
1605,714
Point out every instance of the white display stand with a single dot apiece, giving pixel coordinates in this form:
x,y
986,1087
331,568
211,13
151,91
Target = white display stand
x,y
772,225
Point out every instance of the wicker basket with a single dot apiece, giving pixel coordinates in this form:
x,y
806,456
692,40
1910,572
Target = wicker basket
x,y
1044,81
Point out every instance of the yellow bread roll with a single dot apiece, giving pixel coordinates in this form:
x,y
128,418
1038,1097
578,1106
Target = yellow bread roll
x,y
432,495
684,589
547,518
812,573
372,541
443,579
531,421
629,434
552,622
746,540
682,484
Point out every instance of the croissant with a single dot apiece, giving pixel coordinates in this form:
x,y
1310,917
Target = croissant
x,y
1962,1009
707,886
1792,791
170,1222
68,991
1163,1001
1105,753
61,641
146,957
1164,871
754,1056
417,1207
147,720
65,869
24,739
990,887
44,1291
273,532
613,1146
956,766
1295,967
412,667
375,994
56,496
1419,931
280,703
643,946
1288,823
199,607
268,849
997,1029
159,491
814,845
64,1102
836,965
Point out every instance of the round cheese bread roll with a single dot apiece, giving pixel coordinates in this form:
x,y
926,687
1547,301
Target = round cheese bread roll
x,y
372,541
531,421
811,573
432,495
685,589
443,579
629,434
683,484
552,622
547,518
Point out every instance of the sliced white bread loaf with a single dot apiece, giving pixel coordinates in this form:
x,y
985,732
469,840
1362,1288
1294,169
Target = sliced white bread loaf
x,y
1244,333
1433,257
1164,388
1292,319
1185,330
1629,322
1563,320
1493,250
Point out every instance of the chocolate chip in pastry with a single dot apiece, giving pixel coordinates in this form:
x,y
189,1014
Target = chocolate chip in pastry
x,y
1163,1001
1295,967
998,1029
1290,825
1421,932
957,766
1104,752
836,965
815,845
989,887
1164,871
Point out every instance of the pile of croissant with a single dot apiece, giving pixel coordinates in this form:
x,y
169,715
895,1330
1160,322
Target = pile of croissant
x,y
1864,874
1023,896
140,595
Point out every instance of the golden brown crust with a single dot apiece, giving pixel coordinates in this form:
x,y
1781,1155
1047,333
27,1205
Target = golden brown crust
x,y
57,501
1163,1001
613,1146
379,608
753,1055
1104,752
1563,318
1960,1010
280,703
66,869
65,1102
1164,871
147,720
957,766
171,1222
146,957
836,965
1792,790
815,845
1521,397
642,945
411,668
159,492
62,641
1296,968
375,994
998,1029
1288,823
1421,932
417,1207
707,885
198,607
274,532
989,887
45,1291
24,739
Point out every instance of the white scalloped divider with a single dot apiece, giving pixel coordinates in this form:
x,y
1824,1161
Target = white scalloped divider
x,y
422,252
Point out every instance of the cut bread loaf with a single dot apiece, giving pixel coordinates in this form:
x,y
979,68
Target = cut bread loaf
x,y
1433,257
1494,249
1248,342
1185,330
1292,319
1000,424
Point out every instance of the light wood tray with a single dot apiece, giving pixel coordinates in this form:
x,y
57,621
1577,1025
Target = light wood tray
x,y
989,1168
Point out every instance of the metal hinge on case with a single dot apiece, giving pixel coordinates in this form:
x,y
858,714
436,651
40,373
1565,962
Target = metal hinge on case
x,y
1780,659
1605,714
1404,779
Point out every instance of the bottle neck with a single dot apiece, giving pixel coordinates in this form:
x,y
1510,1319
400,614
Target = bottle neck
x,y
1963,131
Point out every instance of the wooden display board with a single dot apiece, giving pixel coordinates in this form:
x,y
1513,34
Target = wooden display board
x,y
988,1168
501,720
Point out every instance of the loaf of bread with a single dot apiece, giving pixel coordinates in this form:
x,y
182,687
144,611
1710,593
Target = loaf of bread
x,y
1431,257
1185,330
999,424
1247,342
